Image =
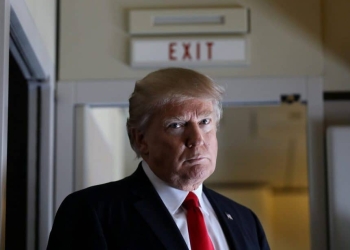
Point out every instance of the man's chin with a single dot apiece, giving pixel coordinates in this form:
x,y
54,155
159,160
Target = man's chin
x,y
199,173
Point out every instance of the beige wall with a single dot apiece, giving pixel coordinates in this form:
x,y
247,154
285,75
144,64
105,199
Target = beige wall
x,y
44,15
285,38
291,221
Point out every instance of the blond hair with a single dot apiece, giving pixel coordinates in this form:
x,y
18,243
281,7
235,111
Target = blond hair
x,y
170,85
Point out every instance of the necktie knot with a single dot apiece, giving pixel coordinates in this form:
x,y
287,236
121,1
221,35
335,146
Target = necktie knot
x,y
191,201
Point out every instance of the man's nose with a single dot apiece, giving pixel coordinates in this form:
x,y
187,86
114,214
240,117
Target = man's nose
x,y
194,136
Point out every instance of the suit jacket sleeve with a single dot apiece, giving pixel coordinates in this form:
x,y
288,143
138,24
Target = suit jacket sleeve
x,y
76,226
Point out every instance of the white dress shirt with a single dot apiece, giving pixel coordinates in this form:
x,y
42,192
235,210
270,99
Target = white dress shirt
x,y
173,199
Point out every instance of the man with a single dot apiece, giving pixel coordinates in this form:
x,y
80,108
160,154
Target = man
x,y
174,114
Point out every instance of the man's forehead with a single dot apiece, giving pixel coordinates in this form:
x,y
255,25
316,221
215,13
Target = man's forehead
x,y
187,109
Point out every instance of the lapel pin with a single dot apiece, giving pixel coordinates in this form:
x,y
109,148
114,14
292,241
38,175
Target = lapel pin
x,y
229,216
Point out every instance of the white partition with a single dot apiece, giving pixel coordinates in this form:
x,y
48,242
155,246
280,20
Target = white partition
x,y
338,150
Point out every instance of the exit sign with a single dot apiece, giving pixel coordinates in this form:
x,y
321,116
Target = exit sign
x,y
188,52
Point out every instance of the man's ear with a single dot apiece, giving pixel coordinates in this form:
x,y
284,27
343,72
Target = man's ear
x,y
140,141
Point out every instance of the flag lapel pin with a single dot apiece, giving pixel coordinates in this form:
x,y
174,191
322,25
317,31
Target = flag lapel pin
x,y
229,216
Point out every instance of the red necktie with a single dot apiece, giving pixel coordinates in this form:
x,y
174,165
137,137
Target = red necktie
x,y
197,230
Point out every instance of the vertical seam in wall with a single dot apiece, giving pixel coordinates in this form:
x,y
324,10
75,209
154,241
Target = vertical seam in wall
x,y
323,34
38,168
58,11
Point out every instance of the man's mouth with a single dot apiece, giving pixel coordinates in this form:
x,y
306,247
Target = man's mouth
x,y
197,159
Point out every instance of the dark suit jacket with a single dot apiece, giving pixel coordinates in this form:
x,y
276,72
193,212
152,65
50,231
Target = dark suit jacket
x,y
129,214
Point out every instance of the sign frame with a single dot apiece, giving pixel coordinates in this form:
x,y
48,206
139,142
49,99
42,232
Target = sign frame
x,y
243,43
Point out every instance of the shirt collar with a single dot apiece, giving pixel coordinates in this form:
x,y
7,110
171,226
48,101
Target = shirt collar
x,y
172,197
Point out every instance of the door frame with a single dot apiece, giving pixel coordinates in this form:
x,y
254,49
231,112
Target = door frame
x,y
4,70
239,91
26,39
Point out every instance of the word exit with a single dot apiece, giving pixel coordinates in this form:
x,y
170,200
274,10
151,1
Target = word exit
x,y
153,52
190,51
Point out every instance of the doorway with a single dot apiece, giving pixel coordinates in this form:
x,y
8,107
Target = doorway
x,y
80,101
22,160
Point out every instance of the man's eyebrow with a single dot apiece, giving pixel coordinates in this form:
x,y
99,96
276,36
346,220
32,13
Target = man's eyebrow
x,y
174,119
180,118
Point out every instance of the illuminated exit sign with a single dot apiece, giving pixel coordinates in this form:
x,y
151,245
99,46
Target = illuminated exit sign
x,y
188,52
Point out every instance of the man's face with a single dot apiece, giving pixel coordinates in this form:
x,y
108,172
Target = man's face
x,y
180,144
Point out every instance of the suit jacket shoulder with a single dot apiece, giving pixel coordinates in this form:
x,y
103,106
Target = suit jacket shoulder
x,y
241,226
81,218
126,214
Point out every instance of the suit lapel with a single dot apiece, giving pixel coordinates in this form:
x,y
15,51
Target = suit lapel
x,y
152,209
228,221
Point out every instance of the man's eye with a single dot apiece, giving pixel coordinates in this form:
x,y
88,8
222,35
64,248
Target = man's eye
x,y
206,121
174,125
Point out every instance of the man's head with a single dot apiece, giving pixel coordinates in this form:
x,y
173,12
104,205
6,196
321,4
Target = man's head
x,y
172,125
